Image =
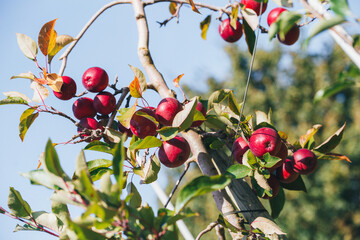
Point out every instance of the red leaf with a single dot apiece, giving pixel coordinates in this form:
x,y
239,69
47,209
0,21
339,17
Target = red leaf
x,y
177,80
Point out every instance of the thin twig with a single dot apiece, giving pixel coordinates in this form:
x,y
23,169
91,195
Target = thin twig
x,y
85,28
187,165
207,229
125,91
220,232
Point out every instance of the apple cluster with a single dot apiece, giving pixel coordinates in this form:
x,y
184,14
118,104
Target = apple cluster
x,y
231,34
287,169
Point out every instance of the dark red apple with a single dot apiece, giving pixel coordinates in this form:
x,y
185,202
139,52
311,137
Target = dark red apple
x,y
95,79
124,130
104,103
285,173
89,123
167,109
305,161
274,14
84,107
142,126
174,152
254,5
265,140
68,89
291,36
282,153
274,185
199,107
239,147
228,33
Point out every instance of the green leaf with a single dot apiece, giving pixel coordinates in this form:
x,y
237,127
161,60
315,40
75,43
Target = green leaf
x,y
140,75
223,222
184,118
135,200
147,142
118,162
18,206
238,171
277,203
249,37
340,7
151,170
85,186
204,26
99,147
332,141
61,211
27,75
181,215
147,216
324,25
216,144
126,115
214,121
333,89
112,135
167,133
13,100
270,161
225,97
99,172
304,139
25,227
27,45
284,3
81,232
199,186
80,165
26,119
234,16
48,220
297,185
39,177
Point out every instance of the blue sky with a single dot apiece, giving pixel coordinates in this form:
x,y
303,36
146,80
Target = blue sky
x,y
111,43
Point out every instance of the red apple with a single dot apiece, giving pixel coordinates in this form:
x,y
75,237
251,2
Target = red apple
x,y
239,147
265,140
282,153
274,14
83,107
305,161
89,123
254,5
104,103
141,126
68,89
167,109
275,186
199,107
228,33
174,152
124,130
95,79
291,36
285,173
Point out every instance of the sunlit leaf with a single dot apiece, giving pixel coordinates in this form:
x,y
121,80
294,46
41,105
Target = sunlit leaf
x,y
172,8
112,135
27,45
287,20
199,186
18,206
61,41
284,3
184,118
26,119
118,163
331,143
251,18
39,177
333,89
13,100
238,171
147,142
47,37
340,7
14,94
134,87
309,134
126,115
269,160
193,7
141,78
204,26
234,16
177,80
151,170
40,92
25,227
334,156
267,226
99,146
54,81
167,133
48,220
28,75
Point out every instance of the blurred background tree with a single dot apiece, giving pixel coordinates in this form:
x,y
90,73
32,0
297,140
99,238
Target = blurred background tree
x,y
286,82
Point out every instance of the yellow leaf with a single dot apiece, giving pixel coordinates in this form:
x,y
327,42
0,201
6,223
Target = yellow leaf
x,y
54,81
177,80
311,132
204,26
134,87
234,16
61,41
172,8
193,7
47,37
334,156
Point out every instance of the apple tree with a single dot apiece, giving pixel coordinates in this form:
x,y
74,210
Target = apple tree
x,y
242,157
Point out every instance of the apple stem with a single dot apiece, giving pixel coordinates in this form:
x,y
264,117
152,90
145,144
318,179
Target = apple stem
x,y
187,165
